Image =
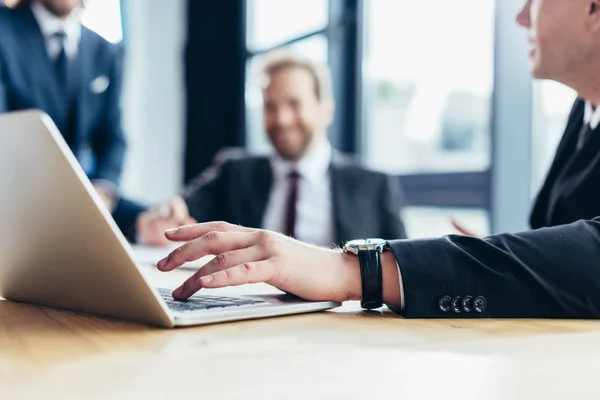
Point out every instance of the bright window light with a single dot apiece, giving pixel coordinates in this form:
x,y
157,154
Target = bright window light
x,y
104,18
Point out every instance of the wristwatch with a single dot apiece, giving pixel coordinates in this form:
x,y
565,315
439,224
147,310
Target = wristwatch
x,y
369,256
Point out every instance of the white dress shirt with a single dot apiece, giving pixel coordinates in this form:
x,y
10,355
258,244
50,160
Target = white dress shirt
x,y
591,116
51,24
314,214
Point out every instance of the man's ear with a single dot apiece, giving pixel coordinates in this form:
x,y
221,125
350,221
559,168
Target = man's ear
x,y
594,12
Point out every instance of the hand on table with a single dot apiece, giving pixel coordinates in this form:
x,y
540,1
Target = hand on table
x,y
245,255
152,224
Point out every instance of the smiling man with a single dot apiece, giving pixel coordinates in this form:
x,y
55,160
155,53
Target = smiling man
x,y
565,48
305,189
545,273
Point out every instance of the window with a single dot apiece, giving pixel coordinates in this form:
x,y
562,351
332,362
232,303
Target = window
x,y
428,90
104,18
273,22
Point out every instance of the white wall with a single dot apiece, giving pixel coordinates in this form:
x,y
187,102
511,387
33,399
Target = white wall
x,y
153,98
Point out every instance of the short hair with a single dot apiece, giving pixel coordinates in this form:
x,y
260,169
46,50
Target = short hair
x,y
279,61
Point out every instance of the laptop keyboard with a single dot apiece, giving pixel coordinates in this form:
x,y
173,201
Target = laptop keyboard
x,y
204,302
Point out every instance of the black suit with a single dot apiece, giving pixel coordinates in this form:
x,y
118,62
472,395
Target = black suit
x,y
365,203
572,188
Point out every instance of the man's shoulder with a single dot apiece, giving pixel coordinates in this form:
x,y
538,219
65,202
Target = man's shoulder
x,y
228,163
240,159
577,108
100,44
352,165
7,16
7,13
236,159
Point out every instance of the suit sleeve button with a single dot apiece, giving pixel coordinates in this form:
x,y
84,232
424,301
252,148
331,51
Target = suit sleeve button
x,y
444,303
457,304
480,304
467,303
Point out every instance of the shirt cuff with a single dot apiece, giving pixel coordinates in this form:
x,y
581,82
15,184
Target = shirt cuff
x,y
401,286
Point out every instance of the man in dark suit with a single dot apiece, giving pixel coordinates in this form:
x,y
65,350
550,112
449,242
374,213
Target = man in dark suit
x,y
571,191
546,273
305,189
49,61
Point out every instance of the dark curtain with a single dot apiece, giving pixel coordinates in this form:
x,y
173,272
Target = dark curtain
x,y
215,64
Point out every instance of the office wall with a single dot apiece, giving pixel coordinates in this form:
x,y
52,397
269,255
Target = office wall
x,y
153,98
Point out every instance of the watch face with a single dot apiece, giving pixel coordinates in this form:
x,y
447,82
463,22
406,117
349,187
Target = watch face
x,y
354,246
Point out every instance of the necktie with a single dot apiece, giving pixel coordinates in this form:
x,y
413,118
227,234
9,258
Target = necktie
x,y
292,199
584,135
61,66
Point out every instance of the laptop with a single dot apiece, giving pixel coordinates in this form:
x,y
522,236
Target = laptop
x,y
59,246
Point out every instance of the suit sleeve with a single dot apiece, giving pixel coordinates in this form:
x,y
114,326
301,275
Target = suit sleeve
x,y
109,140
392,201
204,193
546,273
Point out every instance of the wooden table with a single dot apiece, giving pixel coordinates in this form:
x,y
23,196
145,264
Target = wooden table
x,y
346,354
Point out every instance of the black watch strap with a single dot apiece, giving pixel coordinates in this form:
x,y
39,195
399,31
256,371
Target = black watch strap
x,y
370,272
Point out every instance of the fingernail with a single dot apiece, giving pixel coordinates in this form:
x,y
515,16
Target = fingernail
x,y
177,292
206,279
162,262
172,231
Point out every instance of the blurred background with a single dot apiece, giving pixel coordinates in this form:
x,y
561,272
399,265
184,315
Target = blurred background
x,y
437,93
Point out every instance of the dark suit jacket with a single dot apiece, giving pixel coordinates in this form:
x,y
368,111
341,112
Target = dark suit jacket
x,y
365,203
27,81
572,188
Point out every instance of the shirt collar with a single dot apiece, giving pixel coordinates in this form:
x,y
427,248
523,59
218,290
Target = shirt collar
x,y
591,116
313,166
50,23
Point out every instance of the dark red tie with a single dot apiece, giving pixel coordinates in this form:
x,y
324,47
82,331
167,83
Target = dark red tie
x,y
290,209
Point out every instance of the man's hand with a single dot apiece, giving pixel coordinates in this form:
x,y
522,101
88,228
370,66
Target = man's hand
x,y
152,224
461,229
106,196
244,255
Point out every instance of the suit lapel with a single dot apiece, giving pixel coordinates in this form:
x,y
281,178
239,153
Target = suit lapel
x,y
261,183
43,74
545,203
